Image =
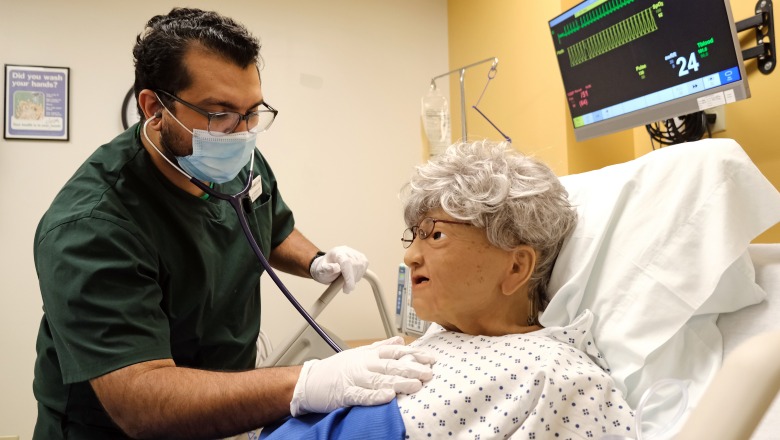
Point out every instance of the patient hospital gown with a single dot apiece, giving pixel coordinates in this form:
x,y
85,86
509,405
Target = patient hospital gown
x,y
548,384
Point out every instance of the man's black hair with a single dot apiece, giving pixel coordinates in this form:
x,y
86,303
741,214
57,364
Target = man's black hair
x,y
159,50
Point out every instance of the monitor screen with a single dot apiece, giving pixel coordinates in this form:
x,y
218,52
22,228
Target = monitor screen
x,y
627,63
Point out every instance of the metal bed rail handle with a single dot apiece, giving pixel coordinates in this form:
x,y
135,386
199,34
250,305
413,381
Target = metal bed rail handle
x,y
319,305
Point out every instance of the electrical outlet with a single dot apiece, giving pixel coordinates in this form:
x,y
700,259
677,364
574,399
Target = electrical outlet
x,y
720,118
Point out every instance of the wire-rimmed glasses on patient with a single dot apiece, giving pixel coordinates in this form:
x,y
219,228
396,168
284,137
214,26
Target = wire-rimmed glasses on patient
x,y
424,230
222,123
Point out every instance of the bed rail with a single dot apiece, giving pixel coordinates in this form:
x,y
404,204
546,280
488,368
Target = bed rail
x,y
305,344
741,392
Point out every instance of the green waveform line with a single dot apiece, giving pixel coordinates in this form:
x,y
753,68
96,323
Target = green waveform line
x,y
591,15
626,31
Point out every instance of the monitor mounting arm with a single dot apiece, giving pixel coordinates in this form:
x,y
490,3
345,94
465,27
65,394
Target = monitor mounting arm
x,y
763,23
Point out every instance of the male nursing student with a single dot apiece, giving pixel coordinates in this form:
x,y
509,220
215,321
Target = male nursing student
x,y
150,291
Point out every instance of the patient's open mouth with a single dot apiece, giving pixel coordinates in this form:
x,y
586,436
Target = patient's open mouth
x,y
419,279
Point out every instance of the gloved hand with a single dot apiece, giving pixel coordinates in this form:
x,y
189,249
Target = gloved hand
x,y
365,376
343,260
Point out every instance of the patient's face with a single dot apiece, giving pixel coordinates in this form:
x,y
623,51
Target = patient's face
x,y
456,276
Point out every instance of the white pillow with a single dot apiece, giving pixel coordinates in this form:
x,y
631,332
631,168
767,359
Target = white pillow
x,y
660,239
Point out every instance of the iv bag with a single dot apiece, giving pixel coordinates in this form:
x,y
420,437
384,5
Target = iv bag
x,y
436,120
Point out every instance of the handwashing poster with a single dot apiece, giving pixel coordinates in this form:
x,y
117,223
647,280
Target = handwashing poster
x,y
36,102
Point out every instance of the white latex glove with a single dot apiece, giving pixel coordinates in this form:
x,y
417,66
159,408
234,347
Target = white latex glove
x,y
340,260
363,376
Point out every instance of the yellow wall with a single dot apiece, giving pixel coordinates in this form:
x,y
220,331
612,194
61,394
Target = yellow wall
x,y
532,110
526,107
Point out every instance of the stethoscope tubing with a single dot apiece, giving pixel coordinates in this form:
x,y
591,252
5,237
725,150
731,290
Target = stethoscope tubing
x,y
236,201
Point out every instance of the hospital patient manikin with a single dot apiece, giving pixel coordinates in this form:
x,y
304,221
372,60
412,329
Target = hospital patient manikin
x,y
486,225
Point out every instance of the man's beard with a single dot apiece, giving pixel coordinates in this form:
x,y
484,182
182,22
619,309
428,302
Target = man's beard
x,y
173,143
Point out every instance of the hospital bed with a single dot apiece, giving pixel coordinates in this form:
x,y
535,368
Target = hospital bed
x,y
662,254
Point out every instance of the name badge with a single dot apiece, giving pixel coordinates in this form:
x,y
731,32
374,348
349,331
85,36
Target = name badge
x,y
257,188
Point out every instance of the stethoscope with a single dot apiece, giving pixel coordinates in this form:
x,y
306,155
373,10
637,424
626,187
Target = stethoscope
x,y
242,203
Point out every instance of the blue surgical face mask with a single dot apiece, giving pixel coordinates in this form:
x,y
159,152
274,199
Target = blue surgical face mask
x,y
217,159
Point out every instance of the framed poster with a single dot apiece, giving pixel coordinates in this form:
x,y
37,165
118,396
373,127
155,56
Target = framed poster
x,y
36,102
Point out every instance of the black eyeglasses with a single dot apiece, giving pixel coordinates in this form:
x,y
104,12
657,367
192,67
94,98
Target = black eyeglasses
x,y
424,230
222,123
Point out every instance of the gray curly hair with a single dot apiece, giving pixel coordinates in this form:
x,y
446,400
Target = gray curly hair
x,y
517,199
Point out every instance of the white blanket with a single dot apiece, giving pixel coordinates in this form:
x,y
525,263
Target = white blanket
x,y
539,385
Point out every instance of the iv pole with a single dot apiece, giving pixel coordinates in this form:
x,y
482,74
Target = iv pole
x,y
462,71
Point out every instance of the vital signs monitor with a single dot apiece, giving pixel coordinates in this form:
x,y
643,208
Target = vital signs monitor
x,y
627,63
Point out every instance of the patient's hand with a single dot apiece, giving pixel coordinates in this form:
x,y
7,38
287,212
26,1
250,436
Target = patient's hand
x,y
369,375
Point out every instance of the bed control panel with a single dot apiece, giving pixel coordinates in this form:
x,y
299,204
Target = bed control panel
x,y
406,320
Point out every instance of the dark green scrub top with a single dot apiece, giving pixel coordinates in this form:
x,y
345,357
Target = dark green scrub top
x,y
132,269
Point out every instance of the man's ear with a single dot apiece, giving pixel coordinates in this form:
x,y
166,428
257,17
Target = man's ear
x,y
149,104
522,264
